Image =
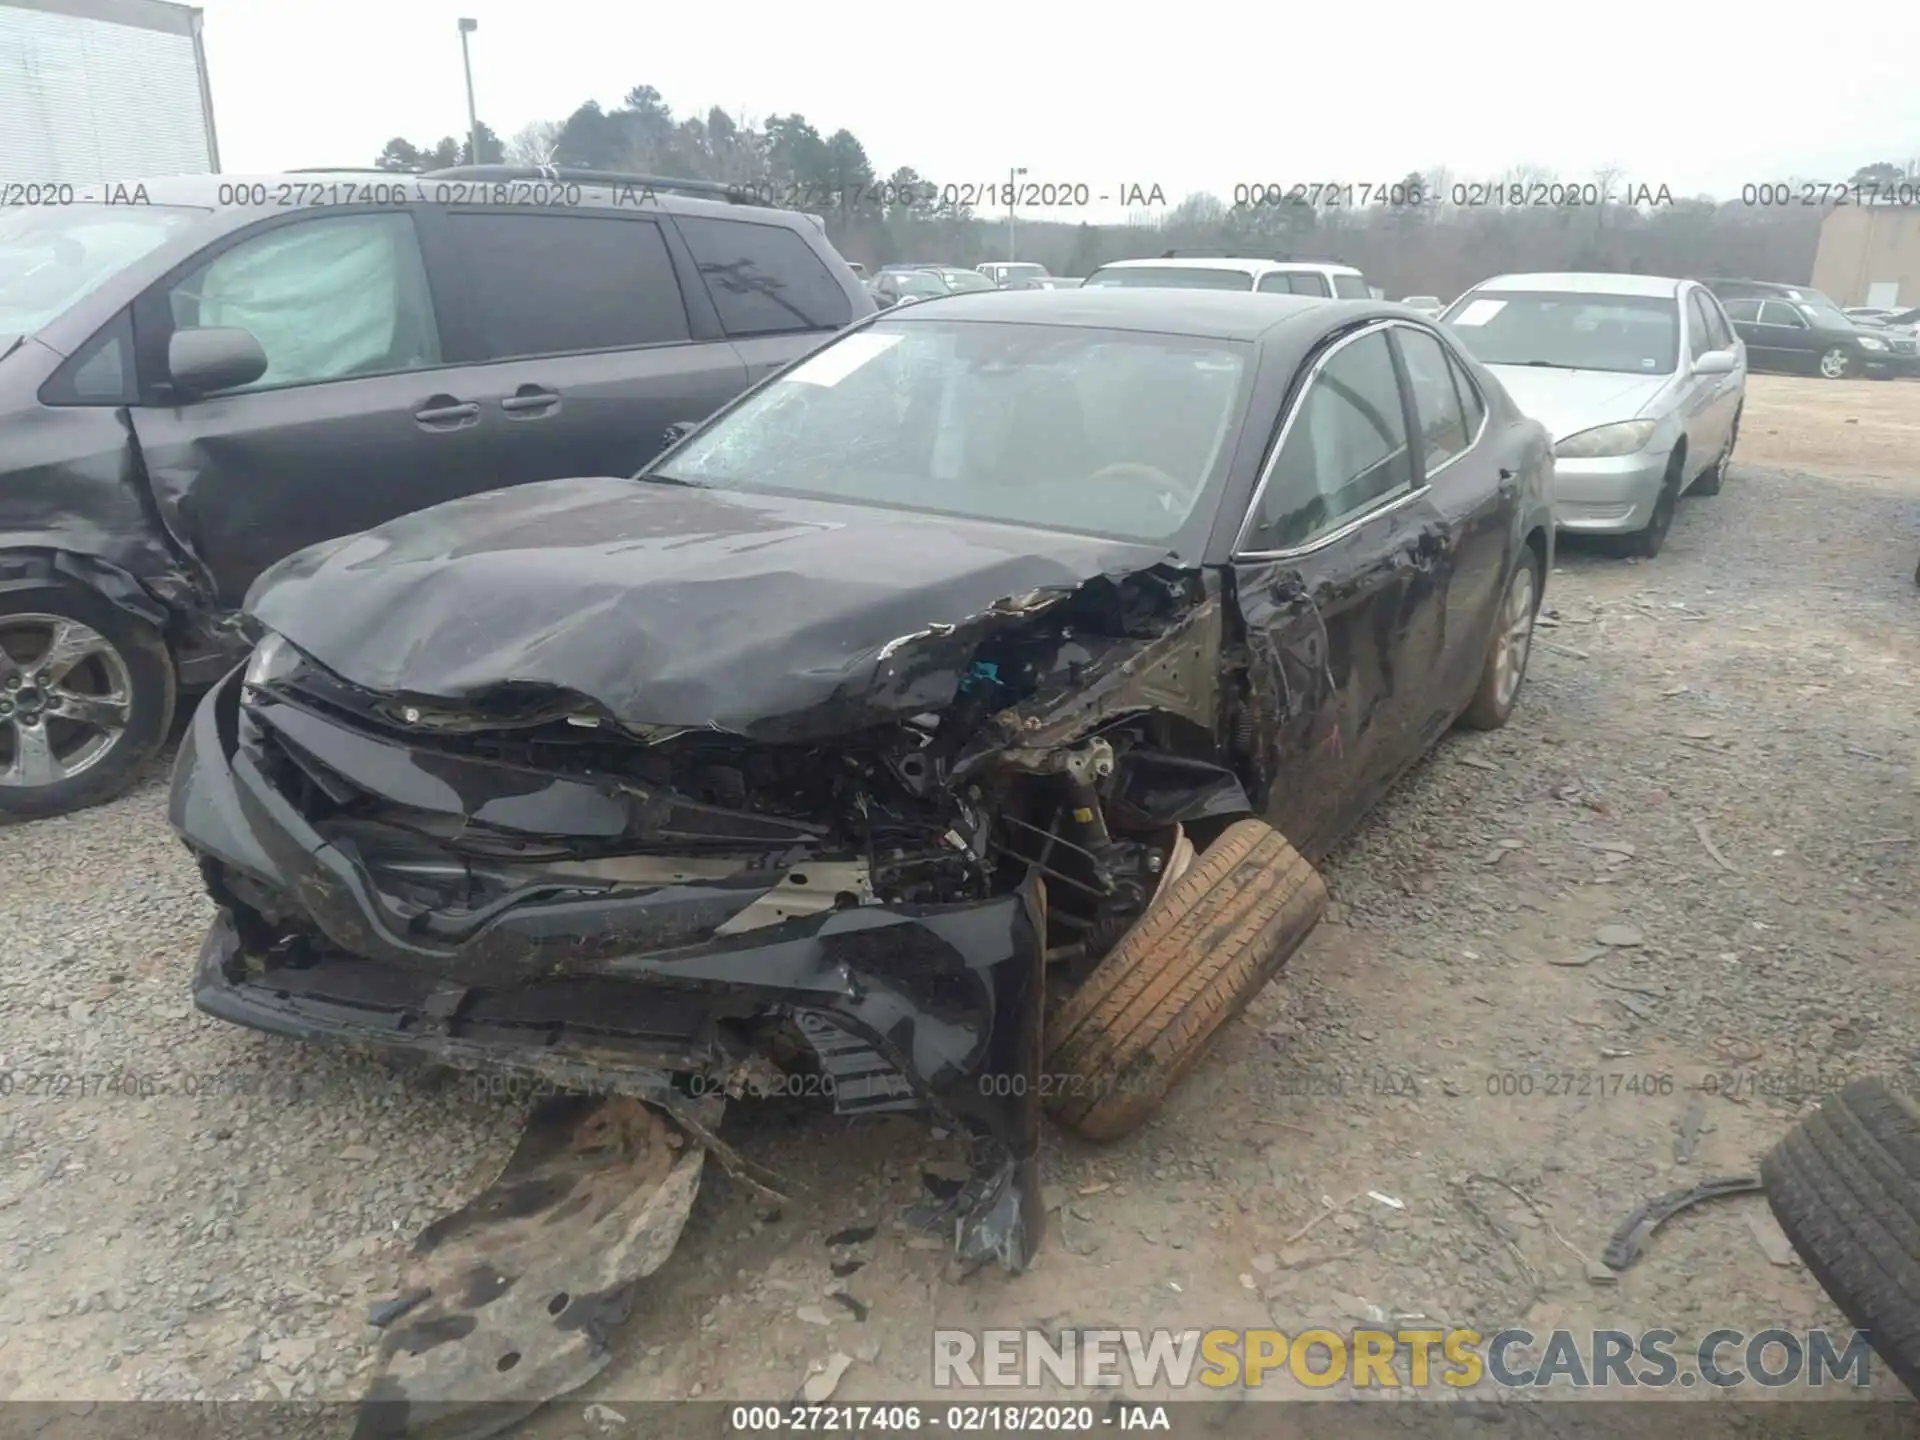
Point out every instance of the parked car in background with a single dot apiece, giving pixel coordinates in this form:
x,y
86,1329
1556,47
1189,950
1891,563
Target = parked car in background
x,y
859,271
1804,337
1429,305
1901,330
928,282
937,717
1000,272
1184,270
1640,379
193,388
1044,282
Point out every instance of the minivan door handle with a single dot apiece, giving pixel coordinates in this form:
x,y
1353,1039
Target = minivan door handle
x,y
530,399
445,412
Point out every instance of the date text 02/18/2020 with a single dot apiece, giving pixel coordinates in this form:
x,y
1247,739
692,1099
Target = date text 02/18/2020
x,y
974,1418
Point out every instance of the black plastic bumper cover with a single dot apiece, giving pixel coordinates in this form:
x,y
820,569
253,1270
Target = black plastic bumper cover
x,y
950,996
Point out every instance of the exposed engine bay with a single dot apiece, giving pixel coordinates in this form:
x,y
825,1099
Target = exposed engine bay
x,y
945,807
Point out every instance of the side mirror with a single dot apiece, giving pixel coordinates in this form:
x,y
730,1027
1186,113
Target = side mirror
x,y
678,431
201,362
1715,362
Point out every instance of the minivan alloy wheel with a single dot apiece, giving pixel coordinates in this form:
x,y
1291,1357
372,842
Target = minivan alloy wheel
x,y
65,697
1835,363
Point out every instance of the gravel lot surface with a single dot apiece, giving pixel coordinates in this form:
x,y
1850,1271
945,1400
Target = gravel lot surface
x,y
1715,765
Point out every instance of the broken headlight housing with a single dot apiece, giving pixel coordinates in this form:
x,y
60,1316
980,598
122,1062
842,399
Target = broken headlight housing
x,y
273,660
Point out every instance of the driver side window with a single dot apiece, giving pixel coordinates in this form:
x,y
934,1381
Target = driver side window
x,y
327,299
1345,449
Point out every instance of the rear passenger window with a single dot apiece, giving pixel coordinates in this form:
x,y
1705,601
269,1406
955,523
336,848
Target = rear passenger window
x,y
764,279
327,299
1307,282
1471,405
1351,287
560,284
1443,425
1275,282
1345,449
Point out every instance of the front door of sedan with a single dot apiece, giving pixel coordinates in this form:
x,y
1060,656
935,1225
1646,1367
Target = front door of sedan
x,y
1333,572
1704,412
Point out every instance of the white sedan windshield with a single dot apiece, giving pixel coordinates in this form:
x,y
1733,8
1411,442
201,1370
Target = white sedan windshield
x,y
1105,432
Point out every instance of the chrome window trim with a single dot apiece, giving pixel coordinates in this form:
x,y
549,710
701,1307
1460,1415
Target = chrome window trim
x,y
1320,542
1380,506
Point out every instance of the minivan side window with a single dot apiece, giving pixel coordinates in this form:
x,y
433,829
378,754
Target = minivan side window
x,y
1275,282
1345,449
765,279
1351,287
564,284
327,299
1310,282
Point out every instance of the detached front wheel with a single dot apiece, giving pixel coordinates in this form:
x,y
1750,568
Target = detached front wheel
x,y
1201,951
86,698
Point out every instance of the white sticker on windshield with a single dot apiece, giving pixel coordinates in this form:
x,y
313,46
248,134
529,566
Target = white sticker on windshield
x,y
836,362
1479,312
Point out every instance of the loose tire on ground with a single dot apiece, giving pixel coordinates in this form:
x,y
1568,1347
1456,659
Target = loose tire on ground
x,y
1141,1020
1845,1186
150,698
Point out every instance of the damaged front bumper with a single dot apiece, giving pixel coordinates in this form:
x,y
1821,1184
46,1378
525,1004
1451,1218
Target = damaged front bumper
x,y
937,1006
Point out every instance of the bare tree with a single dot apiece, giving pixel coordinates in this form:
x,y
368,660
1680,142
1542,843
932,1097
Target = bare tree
x,y
535,143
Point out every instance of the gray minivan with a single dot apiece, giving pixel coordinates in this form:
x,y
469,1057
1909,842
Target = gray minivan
x,y
201,375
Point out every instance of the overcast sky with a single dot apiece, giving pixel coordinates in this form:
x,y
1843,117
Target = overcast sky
x,y
1197,96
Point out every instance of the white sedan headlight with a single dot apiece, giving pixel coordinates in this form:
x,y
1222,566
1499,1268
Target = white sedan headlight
x,y
273,659
1605,441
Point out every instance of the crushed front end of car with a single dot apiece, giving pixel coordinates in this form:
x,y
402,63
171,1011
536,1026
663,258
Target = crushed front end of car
x,y
871,892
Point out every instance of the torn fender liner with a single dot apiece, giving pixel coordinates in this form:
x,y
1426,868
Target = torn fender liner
x,y
765,615
528,1280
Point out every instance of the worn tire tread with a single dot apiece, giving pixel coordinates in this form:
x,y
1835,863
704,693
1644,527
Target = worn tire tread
x,y
1120,1042
1845,1186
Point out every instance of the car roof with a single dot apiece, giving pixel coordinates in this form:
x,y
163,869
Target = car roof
x,y
1203,314
1587,282
1249,265
348,186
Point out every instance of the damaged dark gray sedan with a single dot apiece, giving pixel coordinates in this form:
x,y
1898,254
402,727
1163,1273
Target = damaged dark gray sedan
x,y
953,719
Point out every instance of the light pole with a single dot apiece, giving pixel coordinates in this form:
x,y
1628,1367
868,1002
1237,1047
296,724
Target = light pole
x,y
467,27
1013,191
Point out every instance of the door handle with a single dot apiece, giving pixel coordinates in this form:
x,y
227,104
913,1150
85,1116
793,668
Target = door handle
x,y
530,398
445,410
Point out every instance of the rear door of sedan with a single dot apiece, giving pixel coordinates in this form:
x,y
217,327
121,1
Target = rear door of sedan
x,y
1334,568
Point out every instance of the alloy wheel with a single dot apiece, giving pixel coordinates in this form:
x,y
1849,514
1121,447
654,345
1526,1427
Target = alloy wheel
x,y
65,699
1835,363
1514,641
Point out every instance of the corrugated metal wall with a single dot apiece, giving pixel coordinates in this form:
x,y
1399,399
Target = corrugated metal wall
x,y
86,101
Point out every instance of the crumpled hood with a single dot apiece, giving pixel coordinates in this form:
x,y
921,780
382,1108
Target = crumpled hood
x,y
1569,401
667,605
